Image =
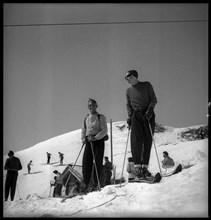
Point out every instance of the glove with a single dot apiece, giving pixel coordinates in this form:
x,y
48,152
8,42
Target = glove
x,y
91,138
129,122
148,115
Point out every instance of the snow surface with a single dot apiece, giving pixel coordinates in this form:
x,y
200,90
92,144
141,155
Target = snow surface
x,y
182,195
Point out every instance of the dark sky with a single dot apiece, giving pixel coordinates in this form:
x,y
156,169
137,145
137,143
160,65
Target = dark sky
x,y
51,70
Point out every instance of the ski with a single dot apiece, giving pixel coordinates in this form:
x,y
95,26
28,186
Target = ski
x,y
156,179
175,171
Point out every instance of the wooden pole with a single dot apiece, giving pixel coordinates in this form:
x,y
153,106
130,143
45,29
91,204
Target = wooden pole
x,y
111,141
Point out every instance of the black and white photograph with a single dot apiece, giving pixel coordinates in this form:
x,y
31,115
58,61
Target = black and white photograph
x,y
105,110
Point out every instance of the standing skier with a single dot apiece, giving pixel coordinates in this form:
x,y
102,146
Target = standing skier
x,y
61,155
12,165
94,129
48,157
29,166
141,100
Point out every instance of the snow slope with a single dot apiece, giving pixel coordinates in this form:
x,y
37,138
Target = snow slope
x,y
182,195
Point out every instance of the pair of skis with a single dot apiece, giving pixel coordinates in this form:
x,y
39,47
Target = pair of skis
x,y
157,178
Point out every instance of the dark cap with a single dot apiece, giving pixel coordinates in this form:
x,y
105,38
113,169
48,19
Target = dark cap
x,y
11,153
55,171
131,72
92,100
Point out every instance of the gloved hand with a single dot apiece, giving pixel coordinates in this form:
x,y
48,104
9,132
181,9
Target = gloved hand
x,y
148,114
91,138
129,122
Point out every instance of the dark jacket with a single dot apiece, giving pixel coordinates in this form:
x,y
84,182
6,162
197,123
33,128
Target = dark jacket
x,y
12,165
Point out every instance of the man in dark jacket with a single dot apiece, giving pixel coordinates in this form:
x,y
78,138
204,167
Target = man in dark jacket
x,y
141,101
12,165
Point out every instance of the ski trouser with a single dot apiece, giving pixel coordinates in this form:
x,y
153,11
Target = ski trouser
x,y
87,164
10,186
141,139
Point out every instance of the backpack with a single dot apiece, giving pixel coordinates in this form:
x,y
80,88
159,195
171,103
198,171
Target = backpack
x,y
106,137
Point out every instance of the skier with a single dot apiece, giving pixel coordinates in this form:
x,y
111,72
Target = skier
x,y
168,162
94,129
61,155
12,165
130,169
29,166
108,173
141,100
48,157
58,184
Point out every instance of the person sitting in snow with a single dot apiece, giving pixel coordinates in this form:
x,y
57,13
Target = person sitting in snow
x,y
168,162
58,183
130,169
108,172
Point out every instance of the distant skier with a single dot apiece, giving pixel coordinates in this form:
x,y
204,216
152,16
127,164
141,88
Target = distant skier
x,y
48,157
168,162
29,166
108,172
12,165
61,155
58,183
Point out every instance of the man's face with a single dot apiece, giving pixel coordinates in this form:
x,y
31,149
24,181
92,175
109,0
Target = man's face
x,y
130,79
92,106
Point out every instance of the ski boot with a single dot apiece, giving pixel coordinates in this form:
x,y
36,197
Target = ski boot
x,y
146,174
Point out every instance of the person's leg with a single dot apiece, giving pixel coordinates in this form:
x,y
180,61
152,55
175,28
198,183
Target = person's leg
x,y
137,139
87,163
13,187
98,147
147,144
7,186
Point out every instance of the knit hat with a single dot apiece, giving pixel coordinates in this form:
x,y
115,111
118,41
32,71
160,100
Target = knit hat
x,y
131,72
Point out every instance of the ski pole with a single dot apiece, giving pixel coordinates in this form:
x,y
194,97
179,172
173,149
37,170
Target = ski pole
x,y
125,156
95,165
153,140
73,165
18,192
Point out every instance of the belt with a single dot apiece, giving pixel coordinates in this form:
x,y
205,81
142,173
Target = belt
x,y
138,108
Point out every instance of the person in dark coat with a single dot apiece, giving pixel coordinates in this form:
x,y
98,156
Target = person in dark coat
x,y
58,184
29,166
12,165
61,155
48,157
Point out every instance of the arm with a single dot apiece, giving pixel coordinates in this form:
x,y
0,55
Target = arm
x,y
129,106
103,128
83,131
152,97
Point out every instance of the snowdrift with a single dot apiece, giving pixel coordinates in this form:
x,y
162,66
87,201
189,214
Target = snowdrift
x,y
182,195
